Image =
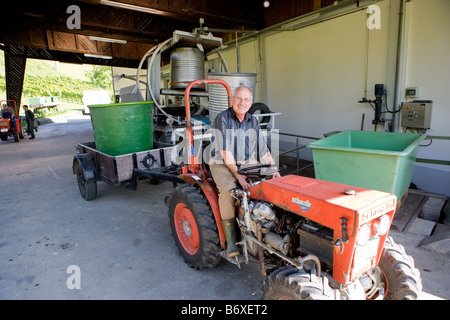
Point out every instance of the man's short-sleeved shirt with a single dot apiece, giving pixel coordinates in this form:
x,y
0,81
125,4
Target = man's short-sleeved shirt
x,y
7,112
243,139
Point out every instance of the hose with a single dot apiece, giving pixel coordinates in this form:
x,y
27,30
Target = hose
x,y
138,74
153,51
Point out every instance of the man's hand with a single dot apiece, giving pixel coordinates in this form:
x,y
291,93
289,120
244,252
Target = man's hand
x,y
242,181
276,175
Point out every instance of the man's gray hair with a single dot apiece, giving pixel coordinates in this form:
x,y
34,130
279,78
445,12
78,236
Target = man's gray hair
x,y
240,88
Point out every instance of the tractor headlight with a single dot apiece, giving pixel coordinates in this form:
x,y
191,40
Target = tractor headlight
x,y
383,225
363,235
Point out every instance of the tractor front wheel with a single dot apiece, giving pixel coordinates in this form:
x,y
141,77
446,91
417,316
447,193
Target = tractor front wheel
x,y
401,279
193,227
289,283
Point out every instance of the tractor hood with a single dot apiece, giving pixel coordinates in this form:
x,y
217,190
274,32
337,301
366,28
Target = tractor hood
x,y
323,201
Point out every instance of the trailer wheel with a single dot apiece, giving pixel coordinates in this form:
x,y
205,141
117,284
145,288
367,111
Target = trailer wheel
x,y
402,280
289,283
88,189
193,227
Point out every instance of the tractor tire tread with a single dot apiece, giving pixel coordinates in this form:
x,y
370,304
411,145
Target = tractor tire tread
x,y
207,257
403,277
290,283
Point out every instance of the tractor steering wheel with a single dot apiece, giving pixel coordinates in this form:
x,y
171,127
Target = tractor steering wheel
x,y
261,172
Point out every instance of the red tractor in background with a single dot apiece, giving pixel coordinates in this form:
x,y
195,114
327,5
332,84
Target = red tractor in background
x,y
313,239
8,127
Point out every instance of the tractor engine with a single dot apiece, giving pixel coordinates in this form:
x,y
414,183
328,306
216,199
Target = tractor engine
x,y
290,234
264,215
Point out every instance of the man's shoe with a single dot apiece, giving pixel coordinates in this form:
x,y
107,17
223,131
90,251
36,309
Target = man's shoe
x,y
32,138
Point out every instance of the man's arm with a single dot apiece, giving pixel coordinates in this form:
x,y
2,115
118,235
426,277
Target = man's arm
x,y
230,162
267,159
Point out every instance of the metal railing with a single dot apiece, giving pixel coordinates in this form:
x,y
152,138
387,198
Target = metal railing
x,y
298,147
434,161
296,150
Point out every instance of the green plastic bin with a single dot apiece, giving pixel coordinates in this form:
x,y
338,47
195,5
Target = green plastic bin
x,y
121,128
373,160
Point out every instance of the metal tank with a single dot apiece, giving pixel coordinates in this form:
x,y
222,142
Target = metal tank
x,y
187,65
218,99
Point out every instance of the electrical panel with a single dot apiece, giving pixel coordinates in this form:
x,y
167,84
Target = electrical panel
x,y
416,114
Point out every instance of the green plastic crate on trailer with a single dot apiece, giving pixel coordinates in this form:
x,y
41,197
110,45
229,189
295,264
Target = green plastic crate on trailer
x,y
121,128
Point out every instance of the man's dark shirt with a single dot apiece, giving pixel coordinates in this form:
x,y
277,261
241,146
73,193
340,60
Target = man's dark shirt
x,y
29,115
243,139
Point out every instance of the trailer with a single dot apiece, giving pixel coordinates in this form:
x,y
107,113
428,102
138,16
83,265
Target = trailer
x,y
91,165
45,103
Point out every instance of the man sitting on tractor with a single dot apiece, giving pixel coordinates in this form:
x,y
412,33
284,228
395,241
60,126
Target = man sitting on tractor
x,y
8,113
237,142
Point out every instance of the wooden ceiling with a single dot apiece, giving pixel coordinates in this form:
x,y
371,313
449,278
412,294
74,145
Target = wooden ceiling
x,y
40,29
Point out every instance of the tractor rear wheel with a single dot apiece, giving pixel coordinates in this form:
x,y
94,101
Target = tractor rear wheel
x,y
21,136
193,227
402,280
289,283
16,135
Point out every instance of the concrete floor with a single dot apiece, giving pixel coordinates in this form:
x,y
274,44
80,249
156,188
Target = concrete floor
x,y
120,242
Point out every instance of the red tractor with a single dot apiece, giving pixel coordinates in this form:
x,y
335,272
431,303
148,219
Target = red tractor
x,y
313,239
10,125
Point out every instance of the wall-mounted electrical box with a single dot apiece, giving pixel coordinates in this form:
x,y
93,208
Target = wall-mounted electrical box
x,y
411,92
416,114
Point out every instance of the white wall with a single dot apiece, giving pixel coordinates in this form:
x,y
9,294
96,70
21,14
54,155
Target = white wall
x,y
316,75
248,57
427,67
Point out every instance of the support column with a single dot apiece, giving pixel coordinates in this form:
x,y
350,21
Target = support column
x,y
14,74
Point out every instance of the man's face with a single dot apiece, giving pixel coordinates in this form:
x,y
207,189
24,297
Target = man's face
x,y
242,101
